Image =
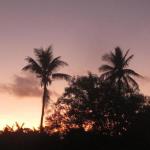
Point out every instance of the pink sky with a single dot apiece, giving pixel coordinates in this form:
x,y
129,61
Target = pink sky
x,y
81,31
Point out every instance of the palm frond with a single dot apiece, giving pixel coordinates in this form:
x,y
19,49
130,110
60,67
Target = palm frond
x,y
38,52
61,76
44,57
106,75
133,82
56,64
126,62
49,51
32,66
126,82
126,54
106,68
118,52
106,57
131,73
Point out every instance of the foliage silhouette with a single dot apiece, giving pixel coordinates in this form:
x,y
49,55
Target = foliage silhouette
x,y
45,67
117,71
105,112
77,139
75,104
92,104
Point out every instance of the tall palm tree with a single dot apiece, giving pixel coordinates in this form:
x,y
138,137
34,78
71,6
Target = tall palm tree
x,y
45,67
117,70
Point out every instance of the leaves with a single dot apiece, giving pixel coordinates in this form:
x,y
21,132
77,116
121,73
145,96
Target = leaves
x,y
61,76
56,63
118,72
105,68
131,73
45,67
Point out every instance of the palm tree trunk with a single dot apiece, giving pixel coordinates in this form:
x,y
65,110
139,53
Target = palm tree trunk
x,y
43,106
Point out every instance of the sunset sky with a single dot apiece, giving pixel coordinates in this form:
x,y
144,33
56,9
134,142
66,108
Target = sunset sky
x,y
80,31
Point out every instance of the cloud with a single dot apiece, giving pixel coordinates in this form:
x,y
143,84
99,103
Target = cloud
x,y
25,85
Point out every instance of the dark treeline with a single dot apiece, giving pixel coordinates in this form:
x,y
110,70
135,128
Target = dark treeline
x,y
104,111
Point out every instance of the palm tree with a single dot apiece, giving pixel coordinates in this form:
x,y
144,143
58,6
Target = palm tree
x,y
117,71
45,67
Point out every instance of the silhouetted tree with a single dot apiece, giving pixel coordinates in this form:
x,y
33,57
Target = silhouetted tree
x,y
117,71
140,127
77,103
45,67
91,103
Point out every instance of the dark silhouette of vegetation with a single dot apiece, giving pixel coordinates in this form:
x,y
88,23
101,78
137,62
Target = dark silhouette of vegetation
x,y
106,112
117,71
45,67
91,104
